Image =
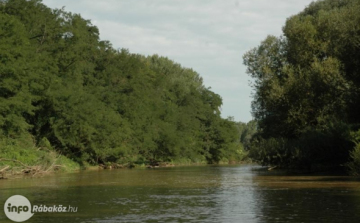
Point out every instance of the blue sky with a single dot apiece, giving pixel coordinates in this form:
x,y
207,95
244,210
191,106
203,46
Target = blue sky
x,y
209,36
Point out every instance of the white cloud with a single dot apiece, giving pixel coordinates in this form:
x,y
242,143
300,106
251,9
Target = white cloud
x,y
209,36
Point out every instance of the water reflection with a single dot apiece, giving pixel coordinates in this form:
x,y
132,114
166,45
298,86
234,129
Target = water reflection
x,y
236,196
307,198
191,194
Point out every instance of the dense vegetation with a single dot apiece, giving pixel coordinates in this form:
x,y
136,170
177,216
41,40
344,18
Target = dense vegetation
x,y
246,132
307,89
64,90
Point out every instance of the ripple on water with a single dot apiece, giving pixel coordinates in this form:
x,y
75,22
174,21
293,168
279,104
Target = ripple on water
x,y
193,194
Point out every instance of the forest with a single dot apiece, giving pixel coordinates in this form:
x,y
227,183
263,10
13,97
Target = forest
x,y
307,90
69,99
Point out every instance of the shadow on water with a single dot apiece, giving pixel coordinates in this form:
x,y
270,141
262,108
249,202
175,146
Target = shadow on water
x,y
306,198
191,194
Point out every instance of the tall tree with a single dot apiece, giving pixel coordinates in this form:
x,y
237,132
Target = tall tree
x,y
307,80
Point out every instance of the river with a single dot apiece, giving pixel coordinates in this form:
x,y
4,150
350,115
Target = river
x,y
190,194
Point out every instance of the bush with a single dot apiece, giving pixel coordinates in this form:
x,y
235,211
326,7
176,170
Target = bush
x,y
21,153
270,151
354,165
314,149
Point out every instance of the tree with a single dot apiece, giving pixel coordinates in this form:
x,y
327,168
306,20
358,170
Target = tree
x,y
307,80
74,93
16,77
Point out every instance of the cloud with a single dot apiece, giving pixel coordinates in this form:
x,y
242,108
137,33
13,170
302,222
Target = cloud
x,y
209,36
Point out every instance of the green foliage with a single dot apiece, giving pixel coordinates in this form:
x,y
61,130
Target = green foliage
x,y
21,151
314,148
246,132
306,82
269,151
76,95
14,77
354,164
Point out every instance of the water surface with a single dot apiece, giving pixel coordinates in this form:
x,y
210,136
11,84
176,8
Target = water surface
x,y
190,194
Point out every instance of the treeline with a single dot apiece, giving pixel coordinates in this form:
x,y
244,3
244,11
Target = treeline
x,y
246,132
65,90
307,90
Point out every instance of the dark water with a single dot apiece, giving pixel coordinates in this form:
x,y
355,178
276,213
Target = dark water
x,y
190,194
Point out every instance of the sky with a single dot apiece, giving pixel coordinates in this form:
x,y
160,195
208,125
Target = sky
x,y
209,36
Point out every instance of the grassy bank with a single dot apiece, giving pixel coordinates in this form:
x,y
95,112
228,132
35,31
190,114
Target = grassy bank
x,y
19,157
22,156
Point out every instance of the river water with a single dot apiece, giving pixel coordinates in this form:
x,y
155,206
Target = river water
x,y
190,194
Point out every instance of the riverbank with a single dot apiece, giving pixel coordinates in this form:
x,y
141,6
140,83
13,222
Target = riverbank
x,y
38,162
12,168
21,159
